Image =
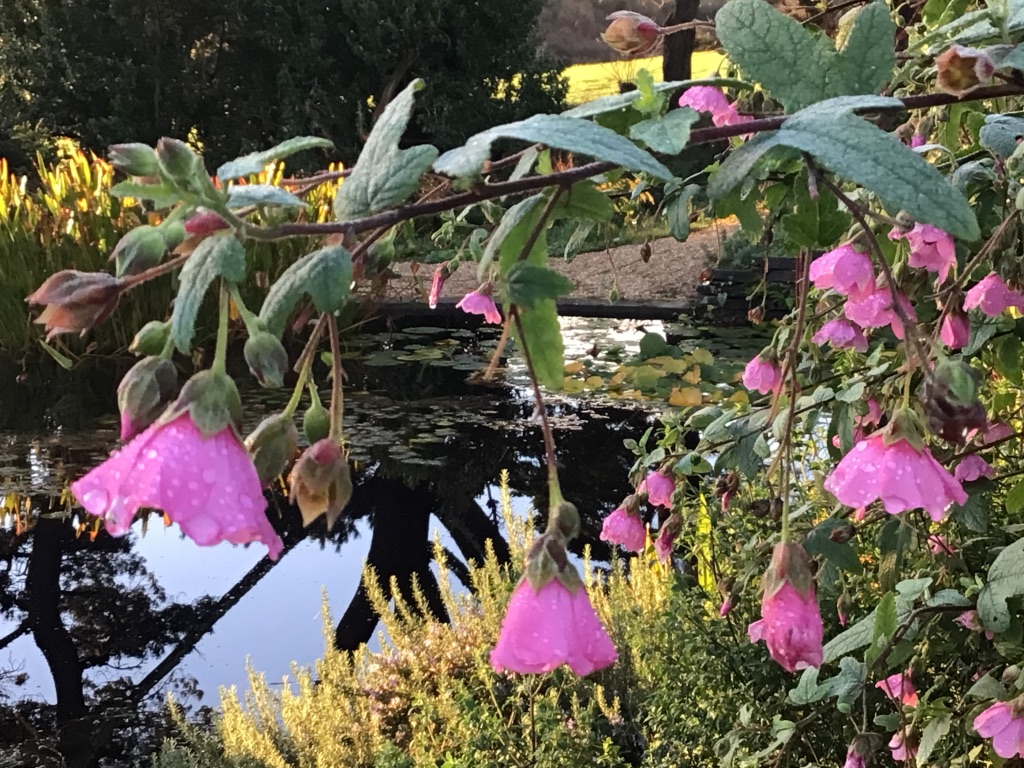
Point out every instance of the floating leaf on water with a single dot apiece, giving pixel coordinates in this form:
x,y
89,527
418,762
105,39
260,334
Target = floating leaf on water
x,y
594,382
682,398
702,357
574,367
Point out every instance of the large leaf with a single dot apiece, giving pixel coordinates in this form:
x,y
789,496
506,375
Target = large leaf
x,y
776,51
326,275
219,255
858,151
529,283
513,217
257,161
932,734
544,340
244,195
1001,134
162,195
385,175
584,201
867,58
558,131
668,134
740,163
1005,580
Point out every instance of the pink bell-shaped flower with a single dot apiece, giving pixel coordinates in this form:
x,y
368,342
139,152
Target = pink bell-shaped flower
x,y
902,750
992,296
436,284
956,330
547,627
790,621
845,270
705,98
666,541
930,248
478,303
875,310
972,467
841,334
939,545
762,375
899,687
659,487
625,527
1003,722
206,484
894,465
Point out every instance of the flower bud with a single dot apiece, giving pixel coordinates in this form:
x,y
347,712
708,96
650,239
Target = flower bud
x,y
204,222
949,395
177,161
842,533
174,234
76,301
272,446
151,338
211,400
141,249
133,159
267,359
440,275
316,422
631,33
144,393
1010,675
321,483
843,607
962,69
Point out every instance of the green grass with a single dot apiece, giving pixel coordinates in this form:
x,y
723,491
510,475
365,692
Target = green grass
x,y
591,81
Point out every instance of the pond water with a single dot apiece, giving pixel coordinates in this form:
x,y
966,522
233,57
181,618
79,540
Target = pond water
x,y
89,622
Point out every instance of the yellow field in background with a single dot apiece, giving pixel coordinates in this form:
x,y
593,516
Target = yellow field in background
x,y
590,81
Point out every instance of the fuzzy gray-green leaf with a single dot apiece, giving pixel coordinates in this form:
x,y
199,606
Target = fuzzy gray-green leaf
x,y
325,274
250,164
219,255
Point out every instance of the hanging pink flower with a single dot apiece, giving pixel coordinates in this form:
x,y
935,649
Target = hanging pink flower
x,y
899,688
477,303
207,485
956,330
899,474
969,620
938,545
705,98
901,750
841,334
626,529
659,488
992,296
551,626
665,543
726,607
917,140
930,248
1004,724
437,283
875,310
762,375
971,468
845,270
790,621
996,432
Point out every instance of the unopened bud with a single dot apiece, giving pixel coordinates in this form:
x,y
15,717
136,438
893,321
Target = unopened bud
x,y
316,422
949,395
962,69
436,284
756,315
272,446
1010,674
76,301
321,482
760,508
174,234
631,33
843,607
177,161
267,359
631,504
151,338
133,159
204,222
141,249
144,393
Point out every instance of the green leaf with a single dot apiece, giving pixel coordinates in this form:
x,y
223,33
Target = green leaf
x,y
885,618
544,340
557,131
244,195
584,201
219,255
867,59
1015,498
974,515
1005,580
987,687
325,274
815,223
741,162
932,734
162,195
529,283
385,175
511,221
693,464
847,685
776,51
863,153
61,359
668,134
1001,134
808,690
677,208
250,164
858,635
619,101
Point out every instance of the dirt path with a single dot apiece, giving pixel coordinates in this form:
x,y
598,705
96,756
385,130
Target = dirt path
x,y
670,274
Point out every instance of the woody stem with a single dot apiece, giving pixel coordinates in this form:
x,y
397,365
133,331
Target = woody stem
x,y
220,356
554,488
337,395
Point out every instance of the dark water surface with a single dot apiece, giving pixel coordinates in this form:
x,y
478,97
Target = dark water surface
x,y
96,630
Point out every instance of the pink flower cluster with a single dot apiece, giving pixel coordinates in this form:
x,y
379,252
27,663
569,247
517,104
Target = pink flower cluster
x,y
704,98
